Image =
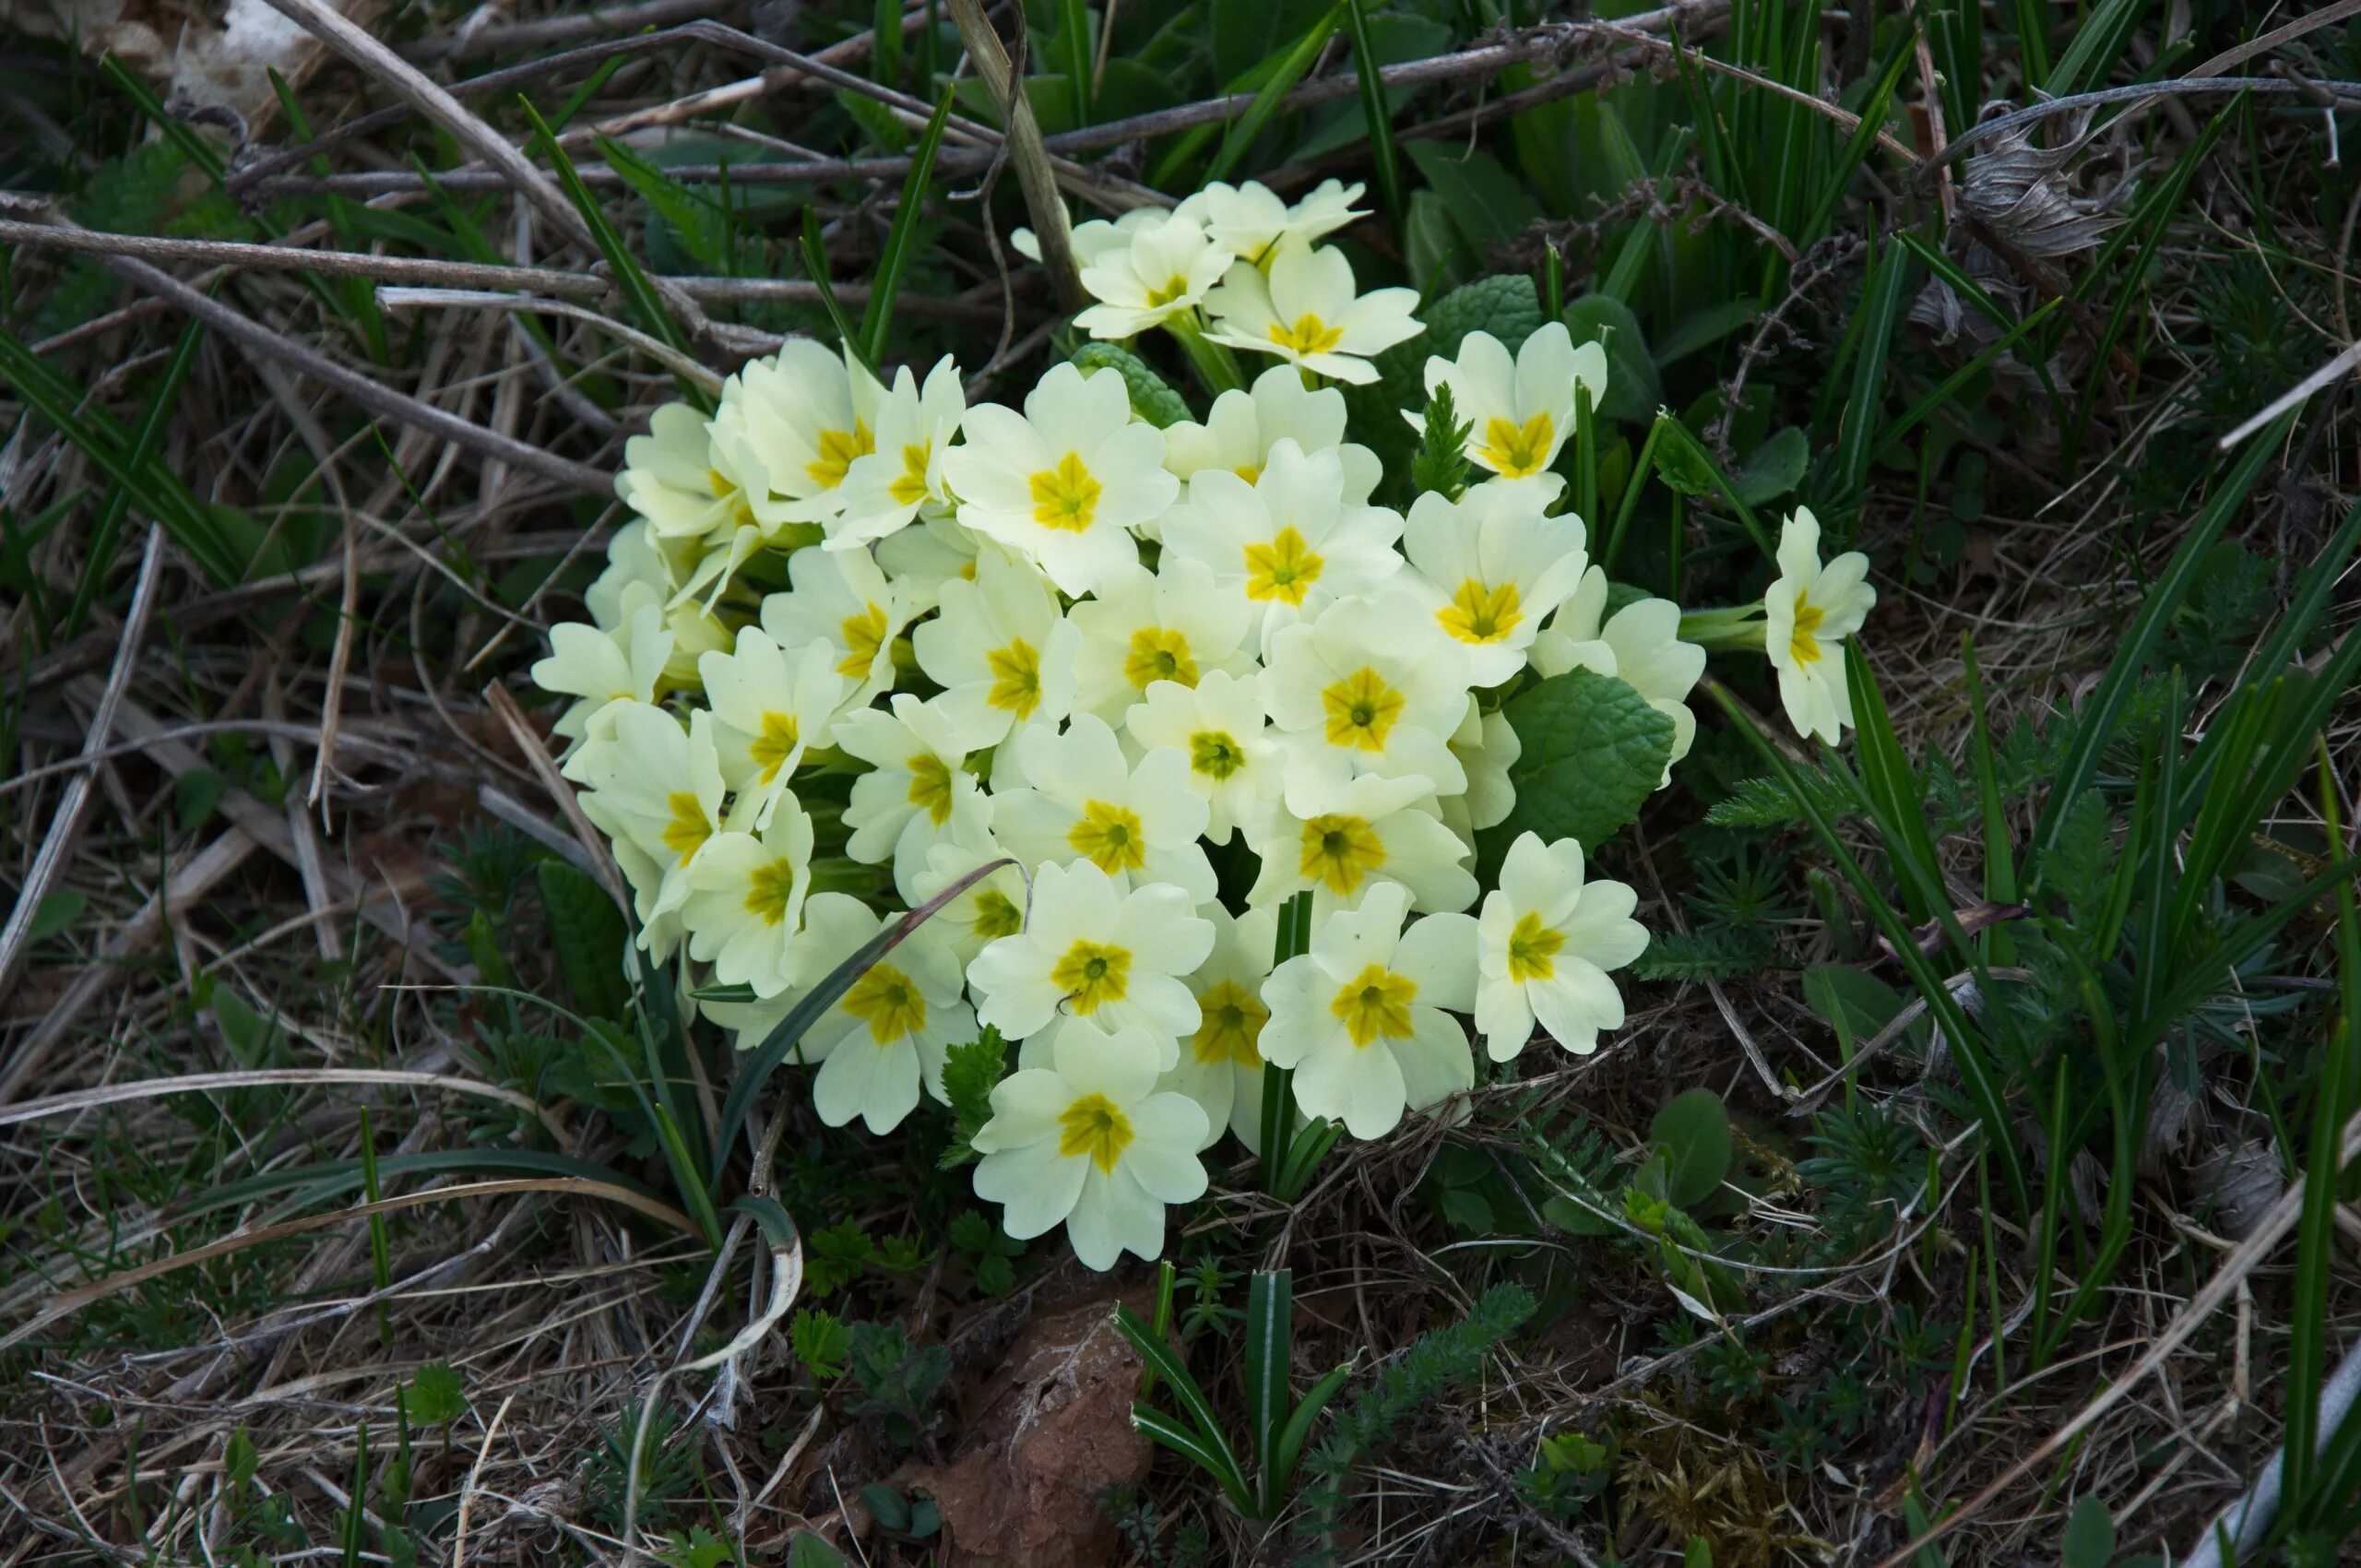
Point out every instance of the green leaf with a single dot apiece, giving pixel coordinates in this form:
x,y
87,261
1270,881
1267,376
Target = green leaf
x,y
587,935
2090,1536
1841,992
1288,70
695,223
436,1394
808,1551
878,319
971,1072
1152,398
1489,207
1693,1132
1377,111
1441,465
1775,467
1270,1340
1248,32
1635,389
1592,752
56,912
1508,306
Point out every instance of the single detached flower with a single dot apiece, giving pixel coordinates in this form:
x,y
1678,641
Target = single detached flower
x,y
1489,568
1520,412
1364,1019
1544,942
1064,483
1305,311
1090,1141
1090,950
1808,613
745,903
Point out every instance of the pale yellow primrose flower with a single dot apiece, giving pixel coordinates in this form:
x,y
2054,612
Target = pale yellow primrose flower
x,y
1169,624
1489,568
1639,645
841,599
1001,650
1307,313
1249,218
1242,428
1091,950
597,668
1090,1141
655,785
684,485
918,792
1364,1017
1065,483
744,902
1221,1064
986,912
806,412
1288,545
886,487
1351,837
1544,942
1164,272
767,708
1219,726
1138,822
1808,613
1520,412
1371,686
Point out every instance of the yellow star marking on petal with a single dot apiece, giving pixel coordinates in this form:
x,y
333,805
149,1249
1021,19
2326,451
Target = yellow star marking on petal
x,y
997,915
931,787
1216,755
1174,288
1532,948
910,487
1108,837
779,737
1803,644
1514,450
887,1001
1283,569
1092,974
1249,472
1340,850
863,635
1310,335
1094,1126
1479,614
1160,653
689,826
1375,1001
1017,678
724,488
1361,710
770,889
1065,497
837,449
1232,1027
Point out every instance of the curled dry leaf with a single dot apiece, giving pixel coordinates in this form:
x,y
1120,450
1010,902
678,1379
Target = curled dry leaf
x,y
2020,193
1047,1435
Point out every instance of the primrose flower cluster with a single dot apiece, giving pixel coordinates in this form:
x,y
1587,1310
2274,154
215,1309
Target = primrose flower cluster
x,y
1114,696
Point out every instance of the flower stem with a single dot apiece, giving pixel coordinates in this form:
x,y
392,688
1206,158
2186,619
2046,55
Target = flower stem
x,y
1214,365
1278,1090
1736,629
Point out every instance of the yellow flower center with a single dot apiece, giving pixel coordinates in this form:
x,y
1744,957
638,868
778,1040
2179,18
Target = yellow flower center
x,y
1092,974
1479,614
774,745
1532,946
1158,653
1094,1126
724,488
1803,644
863,635
689,826
1361,710
1310,335
837,449
1339,851
997,915
1174,288
770,890
1512,450
1230,1027
1017,678
1216,755
931,786
1108,837
888,1003
910,487
1375,1001
1283,569
1066,497
1249,472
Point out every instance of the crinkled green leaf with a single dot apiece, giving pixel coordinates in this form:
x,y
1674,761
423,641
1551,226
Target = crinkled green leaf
x,y
1594,751
587,935
1152,398
1774,468
1693,1132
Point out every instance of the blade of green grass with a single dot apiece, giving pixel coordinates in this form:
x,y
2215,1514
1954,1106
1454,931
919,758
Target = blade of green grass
x,y
1270,1337
1385,157
816,267
1289,71
878,319
1074,32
